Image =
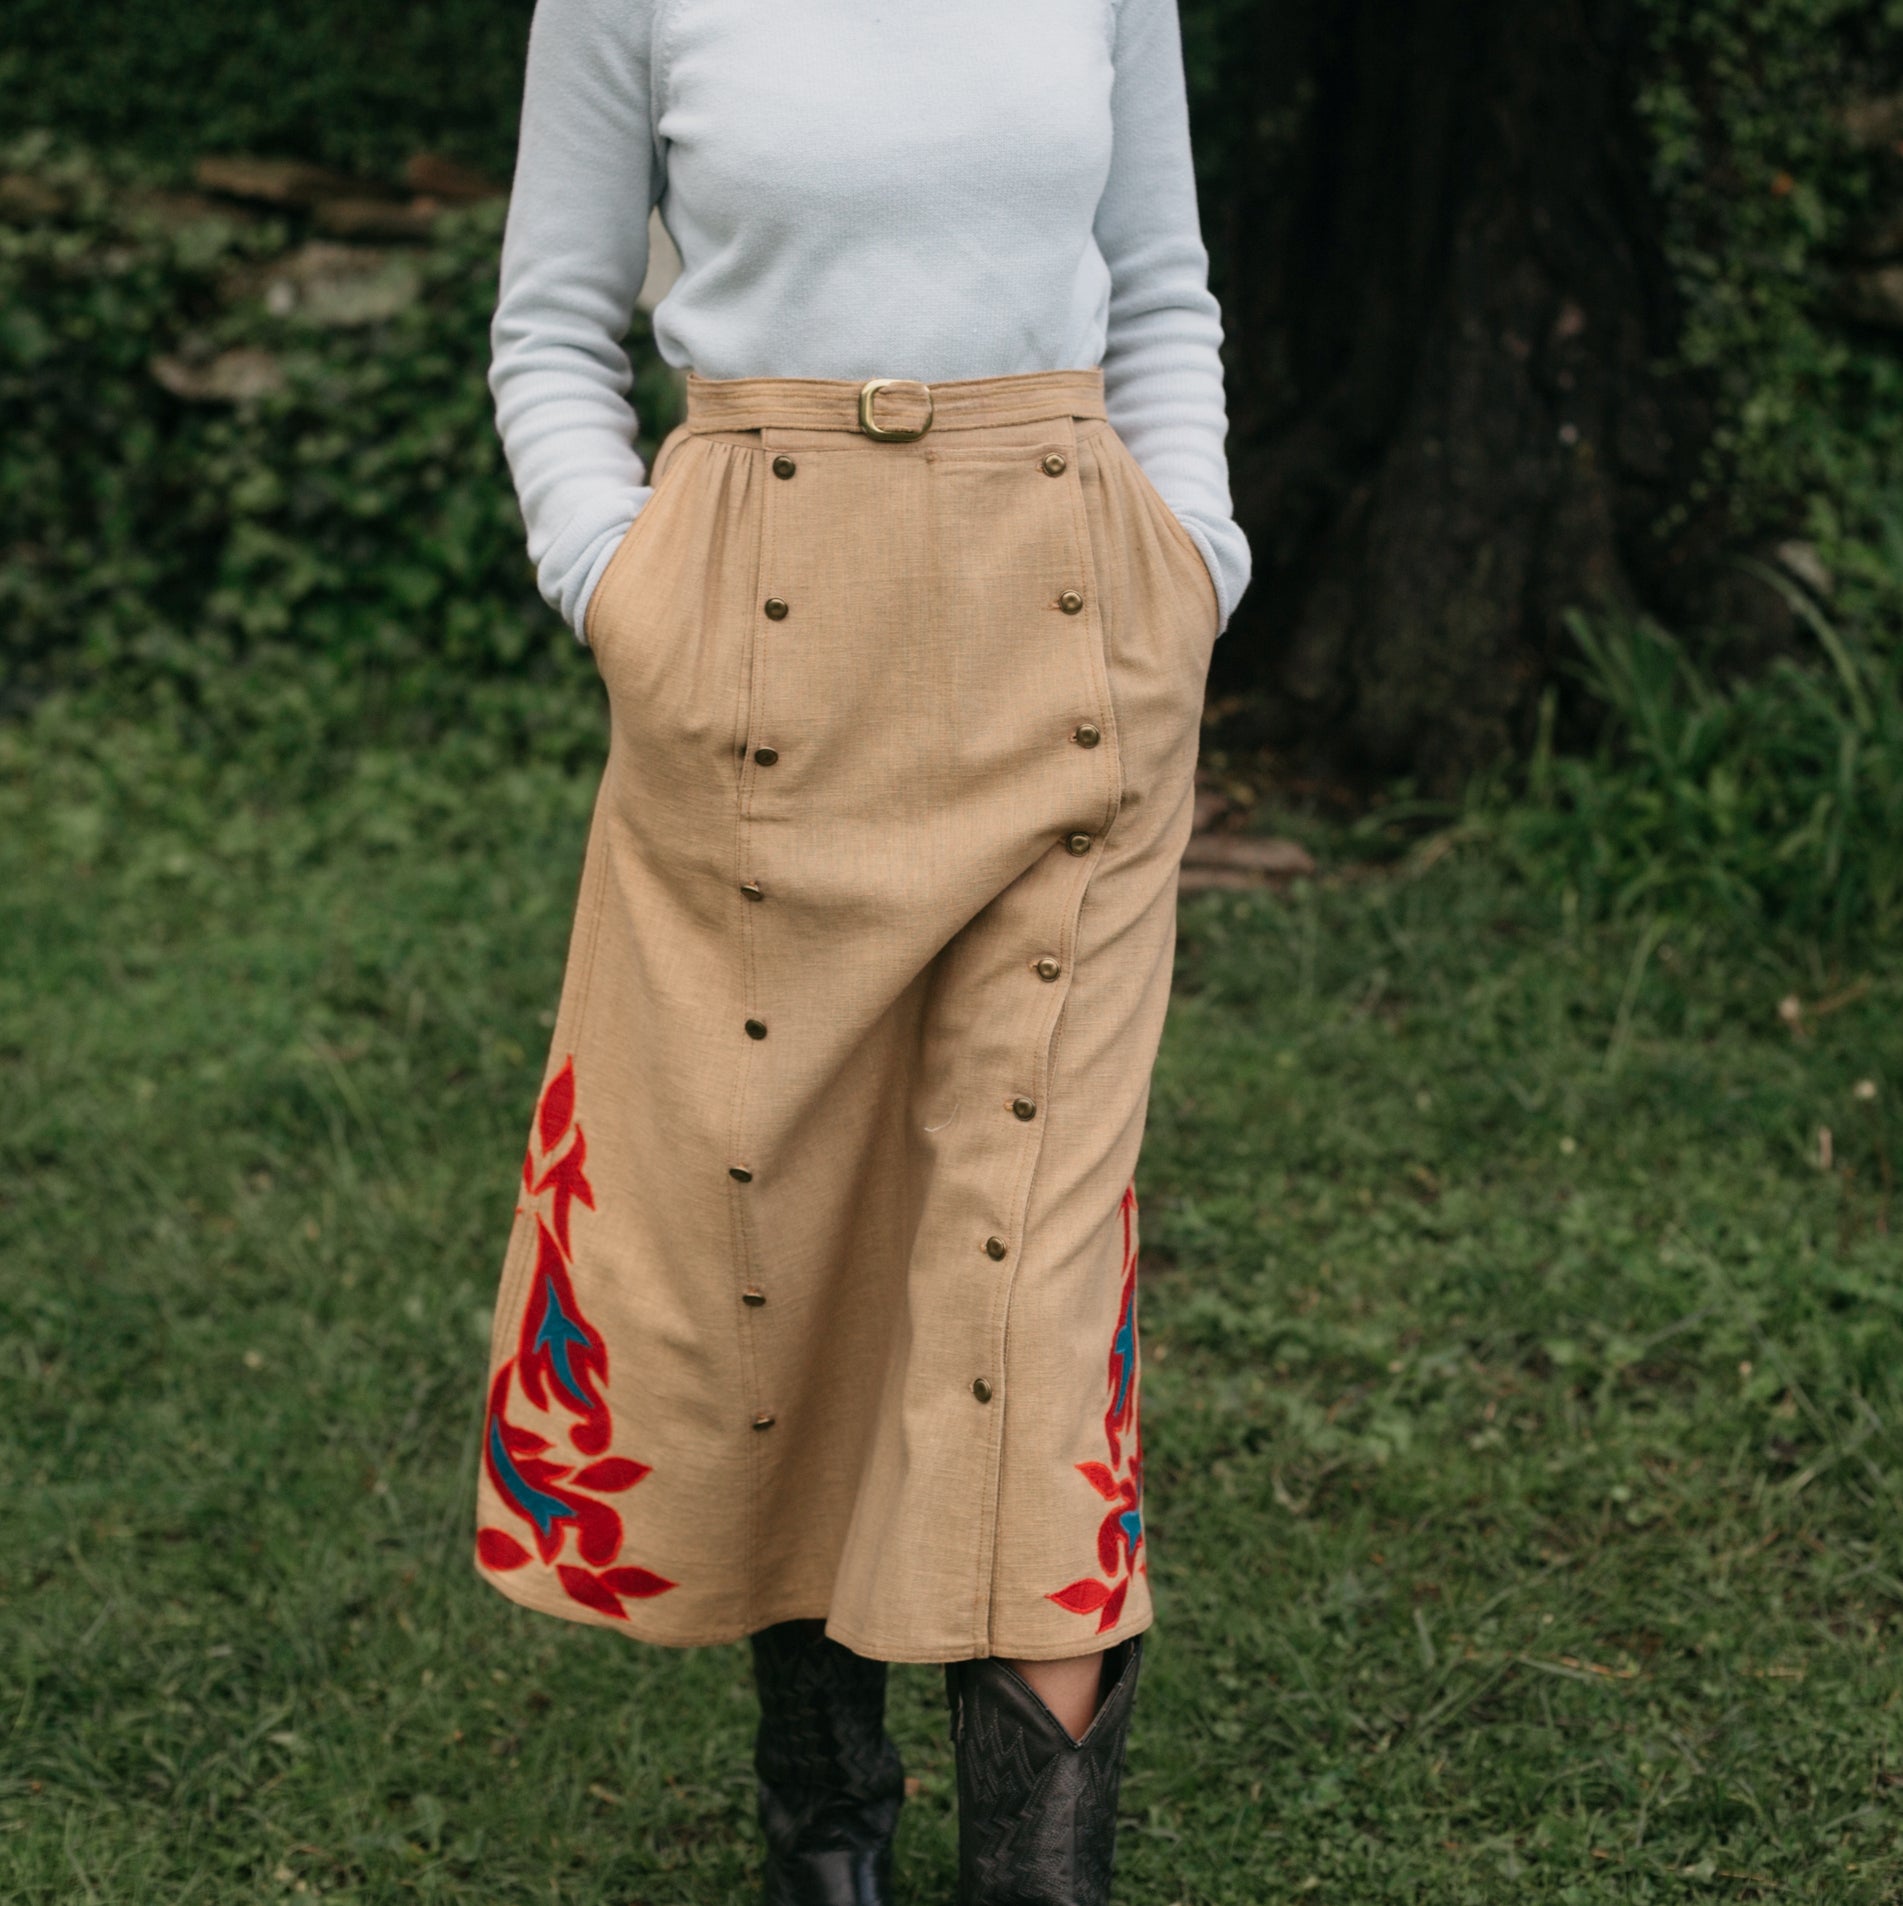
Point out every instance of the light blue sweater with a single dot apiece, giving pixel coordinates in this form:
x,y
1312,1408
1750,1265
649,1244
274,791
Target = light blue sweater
x,y
858,188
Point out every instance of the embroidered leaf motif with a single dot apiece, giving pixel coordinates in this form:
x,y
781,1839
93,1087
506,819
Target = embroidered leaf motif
x,y
586,1587
497,1549
568,1180
597,1531
638,1582
557,1111
1081,1598
1118,1482
561,1355
609,1475
560,1365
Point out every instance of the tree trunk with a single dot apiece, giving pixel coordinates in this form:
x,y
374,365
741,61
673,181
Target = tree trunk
x,y
1445,302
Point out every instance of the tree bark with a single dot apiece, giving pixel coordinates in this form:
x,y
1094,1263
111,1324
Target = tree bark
x,y
1445,304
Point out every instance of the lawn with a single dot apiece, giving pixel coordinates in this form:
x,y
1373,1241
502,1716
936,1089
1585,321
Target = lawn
x,y
1522,1385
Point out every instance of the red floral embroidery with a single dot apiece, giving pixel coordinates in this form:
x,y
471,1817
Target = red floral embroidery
x,y
1120,1481
561,1365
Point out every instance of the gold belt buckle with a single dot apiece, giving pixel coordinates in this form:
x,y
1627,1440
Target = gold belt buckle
x,y
870,389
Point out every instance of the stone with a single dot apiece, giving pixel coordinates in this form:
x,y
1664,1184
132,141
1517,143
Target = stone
x,y
340,286
1874,297
1871,123
377,220
232,377
25,200
447,180
1242,860
177,211
1881,237
278,181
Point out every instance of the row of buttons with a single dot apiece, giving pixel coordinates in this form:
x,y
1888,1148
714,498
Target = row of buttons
x,y
775,608
1055,464
1046,967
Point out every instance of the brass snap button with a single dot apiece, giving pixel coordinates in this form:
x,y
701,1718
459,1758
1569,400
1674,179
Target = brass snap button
x,y
1046,968
740,1174
756,1028
751,888
1024,1108
766,756
784,466
762,1422
775,608
1086,734
1077,843
981,1389
995,1248
753,1295
1070,602
1054,465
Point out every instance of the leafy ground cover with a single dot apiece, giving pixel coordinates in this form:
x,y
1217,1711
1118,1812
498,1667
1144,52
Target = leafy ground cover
x,y
1521,1320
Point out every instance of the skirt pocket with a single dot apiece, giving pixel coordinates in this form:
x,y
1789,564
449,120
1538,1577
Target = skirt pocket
x,y
674,626
1171,525
599,622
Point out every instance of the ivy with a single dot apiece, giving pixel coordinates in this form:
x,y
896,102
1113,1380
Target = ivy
x,y
253,514
1765,197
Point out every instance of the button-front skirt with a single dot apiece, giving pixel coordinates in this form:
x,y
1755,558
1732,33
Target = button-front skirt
x,y
820,1298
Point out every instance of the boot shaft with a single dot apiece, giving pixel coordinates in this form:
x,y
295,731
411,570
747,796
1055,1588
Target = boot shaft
x,y
829,1779
1037,1811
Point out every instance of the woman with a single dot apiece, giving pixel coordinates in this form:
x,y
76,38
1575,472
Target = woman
x,y
818,1319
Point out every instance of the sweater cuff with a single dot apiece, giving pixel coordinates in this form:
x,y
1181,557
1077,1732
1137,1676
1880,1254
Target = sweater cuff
x,y
1226,552
577,588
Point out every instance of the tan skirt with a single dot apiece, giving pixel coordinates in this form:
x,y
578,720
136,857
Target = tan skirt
x,y
821,1294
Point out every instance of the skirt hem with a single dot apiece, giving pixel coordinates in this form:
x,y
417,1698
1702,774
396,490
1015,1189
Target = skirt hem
x,y
1042,1651
523,1594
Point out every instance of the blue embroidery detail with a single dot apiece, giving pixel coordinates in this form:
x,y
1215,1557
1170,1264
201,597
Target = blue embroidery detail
x,y
541,1508
558,1335
1123,1347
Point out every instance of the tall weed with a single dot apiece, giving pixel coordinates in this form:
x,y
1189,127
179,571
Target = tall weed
x,y
1770,801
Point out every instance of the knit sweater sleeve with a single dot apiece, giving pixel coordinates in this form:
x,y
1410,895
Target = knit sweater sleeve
x,y
1163,379
574,254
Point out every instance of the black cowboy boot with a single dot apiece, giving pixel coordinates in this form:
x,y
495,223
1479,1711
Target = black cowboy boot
x,y
830,1782
1037,1811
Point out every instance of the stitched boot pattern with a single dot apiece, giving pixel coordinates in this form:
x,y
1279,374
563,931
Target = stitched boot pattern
x,y
1037,1811
830,1782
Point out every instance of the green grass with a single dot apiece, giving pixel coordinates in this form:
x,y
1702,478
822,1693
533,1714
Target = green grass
x,y
1521,1391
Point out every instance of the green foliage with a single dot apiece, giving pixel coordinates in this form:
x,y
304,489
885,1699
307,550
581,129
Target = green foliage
x,y
1771,802
349,83
1764,197
343,548
1521,1393
1757,186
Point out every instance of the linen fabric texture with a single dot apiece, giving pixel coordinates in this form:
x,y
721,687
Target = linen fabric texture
x,y
820,1299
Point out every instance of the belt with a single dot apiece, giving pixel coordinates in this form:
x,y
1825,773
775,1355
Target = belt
x,y
890,409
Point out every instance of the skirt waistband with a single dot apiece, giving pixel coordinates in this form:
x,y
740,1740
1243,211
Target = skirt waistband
x,y
895,409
